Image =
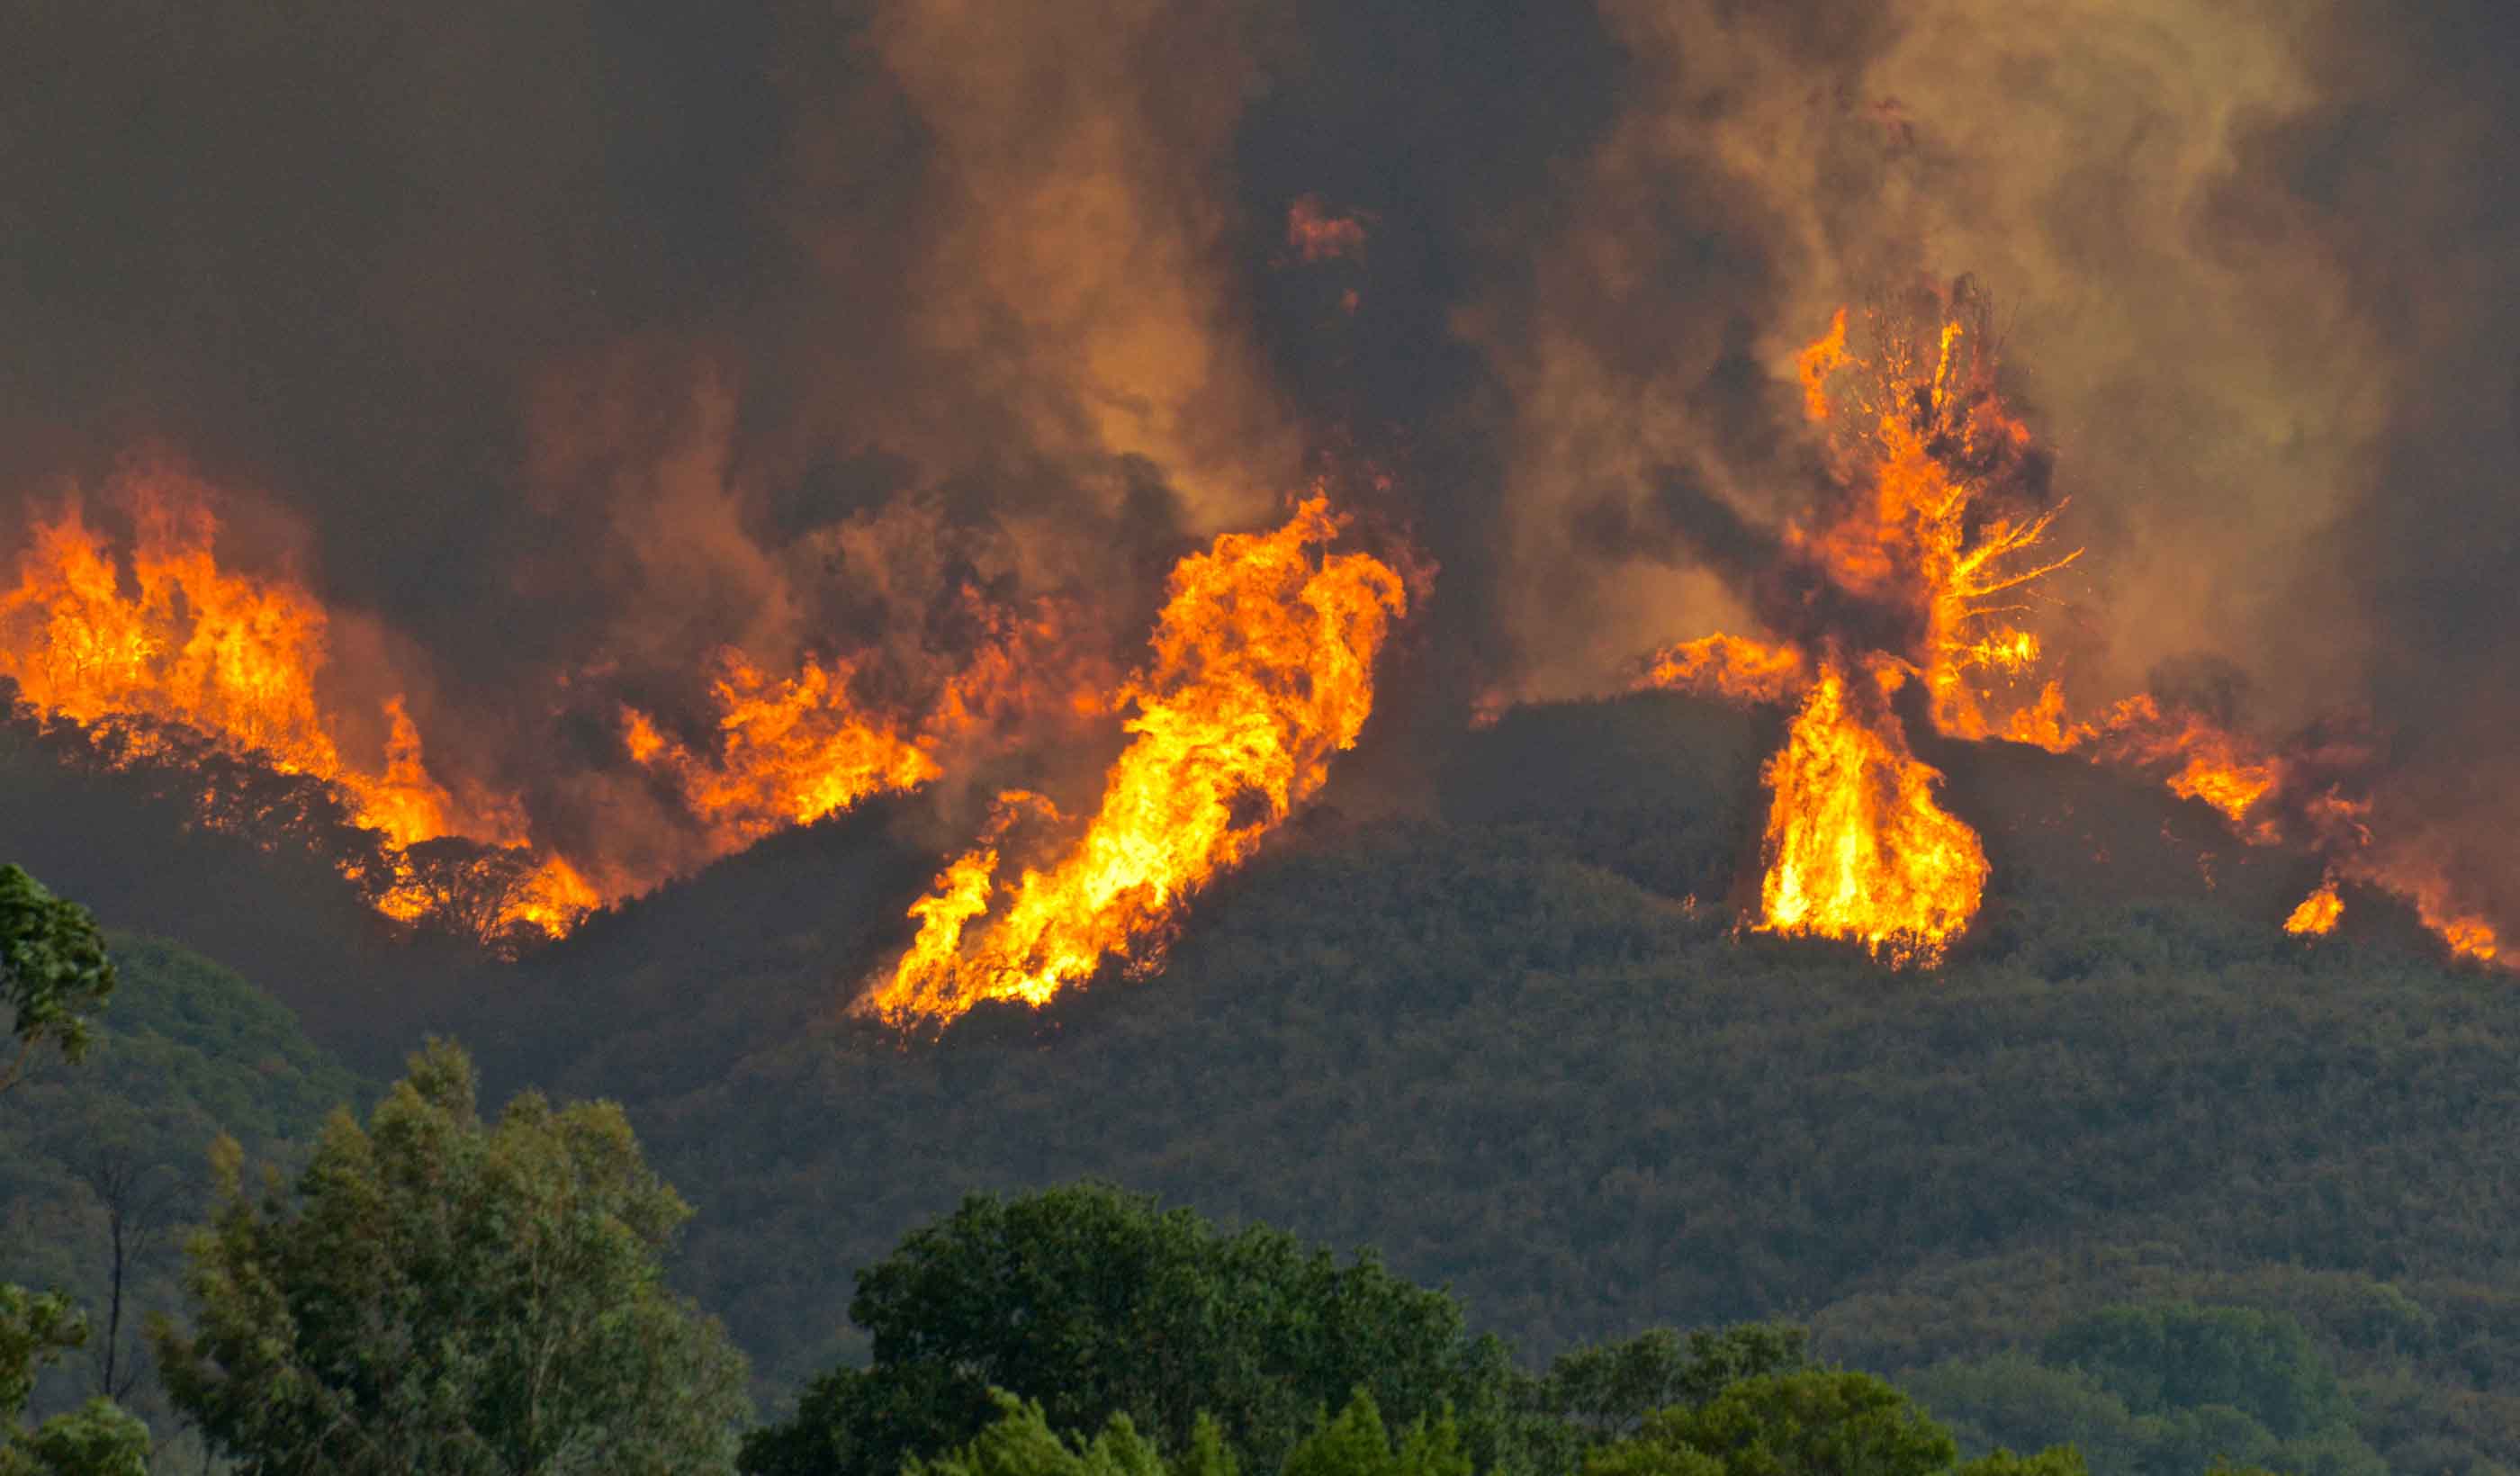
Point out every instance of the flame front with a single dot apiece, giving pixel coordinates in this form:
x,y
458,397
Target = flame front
x,y
235,659
1857,847
1930,554
790,752
1262,669
2319,913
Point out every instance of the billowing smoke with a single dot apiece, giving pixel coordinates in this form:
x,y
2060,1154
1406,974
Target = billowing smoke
x,y
564,346
2242,259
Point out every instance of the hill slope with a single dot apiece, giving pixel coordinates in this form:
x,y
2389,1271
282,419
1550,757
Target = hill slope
x,y
1480,1044
1491,1043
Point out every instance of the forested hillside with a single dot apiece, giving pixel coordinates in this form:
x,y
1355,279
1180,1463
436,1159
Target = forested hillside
x,y
1493,1044
1502,1043
104,1164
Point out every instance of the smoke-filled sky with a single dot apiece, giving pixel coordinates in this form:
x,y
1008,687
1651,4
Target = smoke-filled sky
x,y
559,342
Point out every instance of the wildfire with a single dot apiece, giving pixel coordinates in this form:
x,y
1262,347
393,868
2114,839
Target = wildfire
x,y
2206,761
2319,913
1857,847
235,659
1262,669
793,750
790,752
1923,564
1729,667
1920,569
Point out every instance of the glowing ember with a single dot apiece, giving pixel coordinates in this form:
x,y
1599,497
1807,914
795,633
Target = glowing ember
x,y
1263,668
235,659
1856,849
1316,234
2319,913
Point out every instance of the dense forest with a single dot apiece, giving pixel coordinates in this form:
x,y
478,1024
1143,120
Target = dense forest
x,y
2131,1162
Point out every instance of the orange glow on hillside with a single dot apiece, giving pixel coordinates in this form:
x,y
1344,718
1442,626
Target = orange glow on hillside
x,y
1933,554
235,659
1729,666
2206,762
2319,913
1926,568
1262,670
790,752
1857,846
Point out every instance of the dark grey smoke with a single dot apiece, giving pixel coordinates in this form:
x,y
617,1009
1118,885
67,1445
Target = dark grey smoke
x,y
583,336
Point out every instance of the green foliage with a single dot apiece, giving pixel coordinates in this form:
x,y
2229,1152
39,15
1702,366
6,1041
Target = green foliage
x,y
99,1437
1490,1041
1356,1444
2057,1461
1021,1442
53,971
1587,1109
2185,1357
101,1166
444,1296
35,1328
1606,1391
2163,1389
1096,1303
1808,1420
1786,1424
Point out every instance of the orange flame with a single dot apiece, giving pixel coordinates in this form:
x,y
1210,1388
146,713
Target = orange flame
x,y
2264,794
2319,913
1818,362
2466,935
1263,668
1857,847
1729,666
790,752
794,750
2211,764
234,659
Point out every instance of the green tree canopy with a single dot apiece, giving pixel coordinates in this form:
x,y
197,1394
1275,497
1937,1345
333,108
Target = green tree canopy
x,y
97,1438
1096,1302
1807,1422
440,1295
55,972
1021,1443
1606,1391
1797,1424
53,969
2163,1358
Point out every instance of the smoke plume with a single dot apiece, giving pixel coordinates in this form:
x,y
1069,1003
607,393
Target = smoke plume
x,y
566,349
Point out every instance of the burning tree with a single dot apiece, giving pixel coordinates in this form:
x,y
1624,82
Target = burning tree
x,y
1899,599
1902,590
